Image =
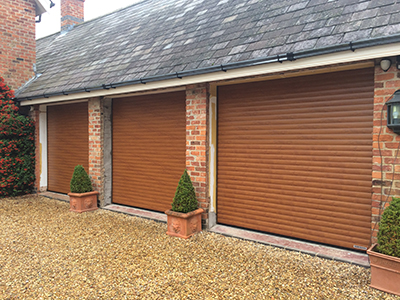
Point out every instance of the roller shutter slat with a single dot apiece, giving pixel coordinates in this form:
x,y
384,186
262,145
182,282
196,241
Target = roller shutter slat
x,y
297,153
67,144
149,149
304,149
282,172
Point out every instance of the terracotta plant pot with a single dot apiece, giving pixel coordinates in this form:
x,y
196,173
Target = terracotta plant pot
x,y
81,202
385,271
183,225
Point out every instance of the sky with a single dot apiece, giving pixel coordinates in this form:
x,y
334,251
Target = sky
x,y
93,8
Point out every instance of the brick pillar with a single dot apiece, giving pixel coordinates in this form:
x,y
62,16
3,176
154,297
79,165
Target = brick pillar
x,y
72,12
96,164
385,183
17,41
197,143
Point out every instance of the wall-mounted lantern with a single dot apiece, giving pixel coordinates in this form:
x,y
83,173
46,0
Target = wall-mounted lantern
x,y
385,64
393,112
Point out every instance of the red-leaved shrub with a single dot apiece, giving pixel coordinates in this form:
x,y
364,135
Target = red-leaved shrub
x,y
17,147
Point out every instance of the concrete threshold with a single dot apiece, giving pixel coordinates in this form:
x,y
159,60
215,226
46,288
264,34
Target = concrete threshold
x,y
53,195
137,212
333,253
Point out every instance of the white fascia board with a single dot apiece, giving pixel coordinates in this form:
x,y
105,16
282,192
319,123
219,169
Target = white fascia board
x,y
41,6
265,69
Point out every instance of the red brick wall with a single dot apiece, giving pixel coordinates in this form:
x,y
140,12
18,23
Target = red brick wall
x,y
197,142
386,83
17,41
96,165
72,12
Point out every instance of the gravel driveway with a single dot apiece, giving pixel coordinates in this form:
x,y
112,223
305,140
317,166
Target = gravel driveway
x,y
47,252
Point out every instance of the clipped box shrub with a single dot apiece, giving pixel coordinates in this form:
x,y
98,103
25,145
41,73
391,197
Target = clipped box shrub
x,y
185,196
17,147
389,230
80,182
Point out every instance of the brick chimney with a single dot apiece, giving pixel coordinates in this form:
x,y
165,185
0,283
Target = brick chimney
x,y
72,12
17,41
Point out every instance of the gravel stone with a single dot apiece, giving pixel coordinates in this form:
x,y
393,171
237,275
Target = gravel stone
x,y
48,252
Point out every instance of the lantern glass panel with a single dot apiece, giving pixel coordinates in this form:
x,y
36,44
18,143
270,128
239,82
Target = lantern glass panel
x,y
395,113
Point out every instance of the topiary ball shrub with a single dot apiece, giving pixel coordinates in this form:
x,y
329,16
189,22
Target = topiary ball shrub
x,y
185,196
389,230
80,182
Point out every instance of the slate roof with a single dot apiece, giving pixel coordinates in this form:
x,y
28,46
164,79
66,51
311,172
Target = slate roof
x,y
159,37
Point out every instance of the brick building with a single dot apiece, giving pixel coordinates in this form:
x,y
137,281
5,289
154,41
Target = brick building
x,y
276,110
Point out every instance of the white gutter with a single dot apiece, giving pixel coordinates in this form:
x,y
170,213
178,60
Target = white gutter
x,y
361,54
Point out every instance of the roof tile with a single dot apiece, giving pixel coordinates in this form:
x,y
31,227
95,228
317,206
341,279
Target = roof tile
x,y
298,6
355,7
378,3
394,19
357,35
330,40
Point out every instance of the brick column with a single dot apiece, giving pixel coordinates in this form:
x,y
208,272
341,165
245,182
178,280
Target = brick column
x,y
385,183
96,164
197,143
17,41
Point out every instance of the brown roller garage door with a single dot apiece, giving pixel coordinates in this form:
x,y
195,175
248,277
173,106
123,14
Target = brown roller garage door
x,y
295,157
149,149
67,143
